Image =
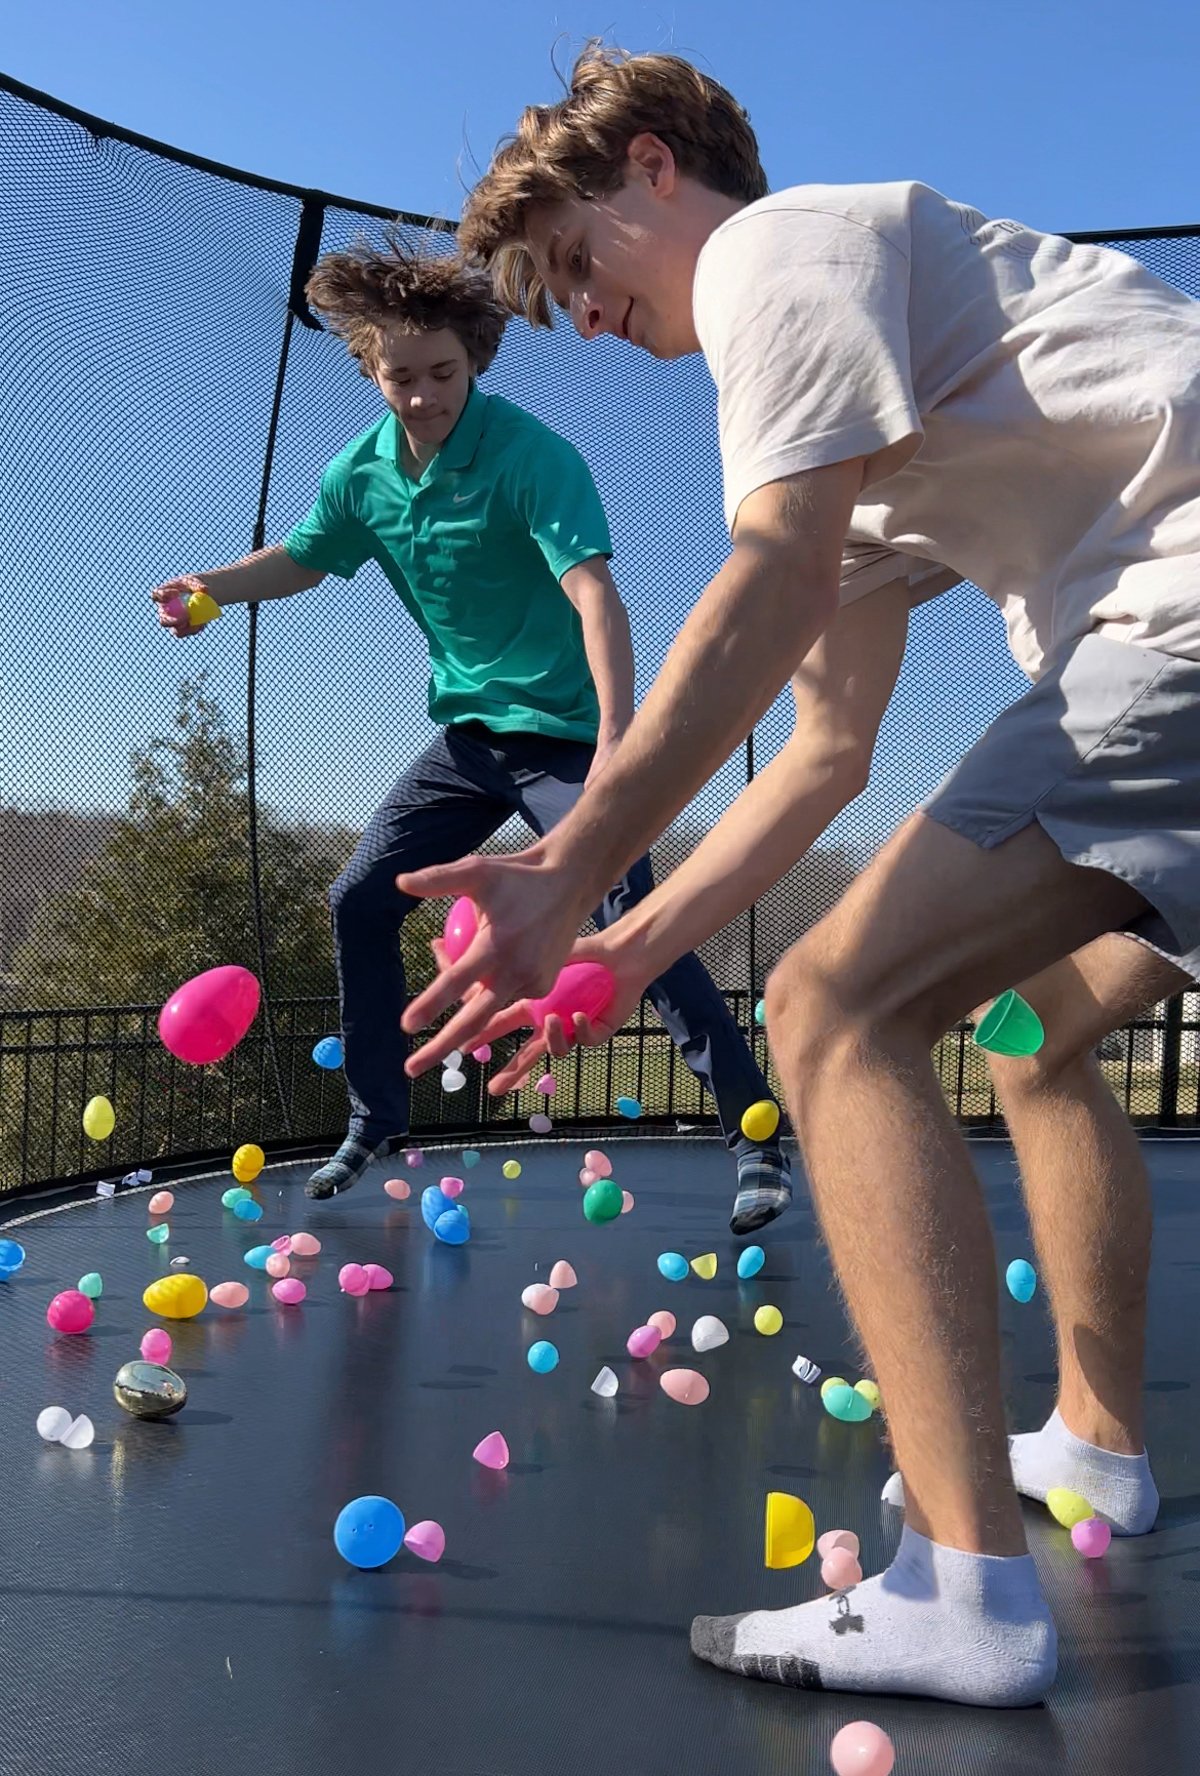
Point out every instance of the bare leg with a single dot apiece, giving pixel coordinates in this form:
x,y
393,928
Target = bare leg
x,y
1085,1182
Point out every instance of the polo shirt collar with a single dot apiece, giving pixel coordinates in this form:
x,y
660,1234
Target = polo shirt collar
x,y
456,453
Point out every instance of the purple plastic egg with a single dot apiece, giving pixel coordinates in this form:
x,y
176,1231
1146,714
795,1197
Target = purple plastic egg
x,y
644,1341
290,1290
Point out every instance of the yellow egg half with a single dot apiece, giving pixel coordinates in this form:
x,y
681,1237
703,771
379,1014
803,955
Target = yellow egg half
x,y
1067,1507
179,1297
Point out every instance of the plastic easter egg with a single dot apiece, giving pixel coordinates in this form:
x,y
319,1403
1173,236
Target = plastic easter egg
x,y
99,1119
70,1312
709,1333
156,1346
149,1390
452,1188
257,1257
248,1210
161,1203
685,1386
665,1321
760,1121
399,1189
453,1228
178,1297
369,1532
844,1403
282,1244
627,1201
413,1157
768,1320
547,1085
862,1749
511,1169
643,1341
426,1540
80,1434
539,1298
235,1195
452,1080
353,1280
837,1538
290,1291
760,1013
492,1452
542,1357
585,988
1091,1538
586,1177
248,1162
539,1124
470,1157
158,1236
788,1532
602,1201
562,1275
53,1423
830,1382
673,1266
379,1277
869,1391
207,1017
705,1266
278,1264
453,1060
328,1053
305,1245
91,1285
598,1163
840,1570
231,1294
750,1261
12,1257
458,933
629,1108
1067,1507
605,1384
1021,1279
434,1202
202,608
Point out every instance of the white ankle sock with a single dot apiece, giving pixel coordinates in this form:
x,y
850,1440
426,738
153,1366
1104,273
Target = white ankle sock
x,y
959,1627
1119,1488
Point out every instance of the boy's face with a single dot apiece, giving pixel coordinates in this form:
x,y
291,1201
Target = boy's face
x,y
626,263
425,379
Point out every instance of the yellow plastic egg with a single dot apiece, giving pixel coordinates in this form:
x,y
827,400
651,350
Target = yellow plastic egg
x,y
99,1119
202,607
761,1120
248,1162
511,1168
178,1297
869,1391
768,1321
1067,1507
705,1266
790,1533
831,1381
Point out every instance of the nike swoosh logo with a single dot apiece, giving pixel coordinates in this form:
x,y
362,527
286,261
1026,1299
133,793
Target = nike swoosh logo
x,y
460,499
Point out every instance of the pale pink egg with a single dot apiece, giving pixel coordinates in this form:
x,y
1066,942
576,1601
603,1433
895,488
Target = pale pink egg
x,y
597,1162
278,1264
626,1201
399,1189
230,1294
282,1244
378,1276
493,1451
664,1320
426,1540
161,1203
290,1290
563,1276
413,1157
305,1245
587,1179
862,1749
837,1538
643,1341
687,1386
1091,1538
546,1085
353,1280
840,1570
539,1298
156,1346
452,1187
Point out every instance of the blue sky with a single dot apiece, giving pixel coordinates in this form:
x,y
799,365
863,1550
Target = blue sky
x,y
136,437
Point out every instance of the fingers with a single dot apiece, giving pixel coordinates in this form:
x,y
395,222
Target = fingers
x,y
453,983
519,1069
448,879
482,1020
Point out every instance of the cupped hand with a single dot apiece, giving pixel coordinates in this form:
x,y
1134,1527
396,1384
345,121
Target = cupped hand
x,y
177,620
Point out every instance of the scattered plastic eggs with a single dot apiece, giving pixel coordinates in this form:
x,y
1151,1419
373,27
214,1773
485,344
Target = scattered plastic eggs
x,y
1067,1507
290,1291
750,1261
158,1236
369,1532
426,1540
161,1203
862,1749
70,1312
673,1266
305,1245
605,1384
845,1403
231,1294
237,1194
413,1157
328,1053
248,1162
626,1201
806,1371
540,1298
452,1188
156,1346
511,1169
1021,1279
562,1275
665,1321
768,1320
705,1266
709,1333
12,1257
99,1119
760,1121
353,1280
248,1209
540,1124
629,1108
597,1163
91,1285
602,1201
434,1202
542,1357
278,1264
470,1157
685,1386
840,1569
378,1277
257,1257
547,1085
399,1189
482,1054
453,1228
837,1538
643,1341
179,1297
55,1425
1091,1538
492,1452
453,1080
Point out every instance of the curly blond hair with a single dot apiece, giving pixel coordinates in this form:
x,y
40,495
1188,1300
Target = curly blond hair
x,y
578,148
362,292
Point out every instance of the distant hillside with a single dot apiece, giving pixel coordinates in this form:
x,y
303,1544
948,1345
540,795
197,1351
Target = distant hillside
x,y
40,854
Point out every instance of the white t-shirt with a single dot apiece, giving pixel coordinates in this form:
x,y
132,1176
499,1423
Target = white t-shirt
x,y
1029,409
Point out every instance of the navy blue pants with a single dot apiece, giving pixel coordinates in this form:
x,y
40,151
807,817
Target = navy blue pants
x,y
453,796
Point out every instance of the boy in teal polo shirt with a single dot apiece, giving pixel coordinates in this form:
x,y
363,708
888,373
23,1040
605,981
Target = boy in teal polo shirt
x,y
489,527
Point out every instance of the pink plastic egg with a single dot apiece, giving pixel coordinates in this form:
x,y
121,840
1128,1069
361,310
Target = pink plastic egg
x,y
598,1163
458,933
837,1538
452,1187
426,1540
399,1189
230,1294
413,1157
1091,1538
278,1264
161,1203
547,1085
626,1201
378,1276
862,1749
584,987
665,1321
643,1341
208,1016
840,1570
562,1275
156,1346
539,1298
353,1280
492,1452
687,1386
482,1054
290,1290
588,1178
70,1312
282,1244
305,1245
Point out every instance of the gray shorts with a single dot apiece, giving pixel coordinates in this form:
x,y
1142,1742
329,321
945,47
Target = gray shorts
x,y
1104,753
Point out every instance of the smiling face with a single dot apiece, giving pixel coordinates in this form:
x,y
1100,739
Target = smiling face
x,y
425,379
625,263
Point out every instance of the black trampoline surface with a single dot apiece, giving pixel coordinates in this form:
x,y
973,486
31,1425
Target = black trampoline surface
x,y
172,1599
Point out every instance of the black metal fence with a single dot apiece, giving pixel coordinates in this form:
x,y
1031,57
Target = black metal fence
x,y
167,402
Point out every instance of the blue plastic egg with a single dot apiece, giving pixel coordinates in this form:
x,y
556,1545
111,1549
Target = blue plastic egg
x,y
543,1357
470,1157
760,1013
673,1266
1021,1278
12,1257
750,1262
369,1532
629,1107
453,1227
434,1203
239,1194
328,1053
257,1257
248,1209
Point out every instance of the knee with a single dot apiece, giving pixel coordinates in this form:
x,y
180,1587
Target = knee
x,y
815,1003
1062,1052
368,893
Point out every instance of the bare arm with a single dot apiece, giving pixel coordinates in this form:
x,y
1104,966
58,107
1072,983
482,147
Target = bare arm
x,y
593,592
268,573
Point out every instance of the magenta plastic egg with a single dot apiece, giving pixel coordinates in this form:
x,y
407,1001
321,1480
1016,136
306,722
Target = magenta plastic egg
x,y
546,1085
290,1290
862,1749
278,1264
156,1346
353,1280
70,1312
399,1189
643,1341
305,1245
426,1540
665,1321
492,1452
230,1295
840,1570
837,1538
458,933
378,1276
452,1187
207,1017
482,1054
1091,1538
161,1203
584,987
598,1163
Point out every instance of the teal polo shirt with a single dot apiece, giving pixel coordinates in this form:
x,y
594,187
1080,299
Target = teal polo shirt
x,y
476,548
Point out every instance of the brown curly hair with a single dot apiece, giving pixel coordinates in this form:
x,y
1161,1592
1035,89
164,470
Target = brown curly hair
x,y
578,148
362,292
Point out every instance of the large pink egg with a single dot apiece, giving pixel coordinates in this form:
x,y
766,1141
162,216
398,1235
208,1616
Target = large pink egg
x,y
837,1538
305,1245
840,1570
562,1276
278,1264
70,1312
290,1290
230,1294
643,1341
452,1187
208,1016
585,987
378,1276
598,1163
687,1386
539,1298
161,1203
1091,1538
426,1540
862,1749
458,933
665,1321
626,1201
399,1189
353,1280
156,1346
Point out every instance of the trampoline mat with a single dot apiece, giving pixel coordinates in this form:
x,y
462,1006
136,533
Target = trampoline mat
x,y
172,1597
